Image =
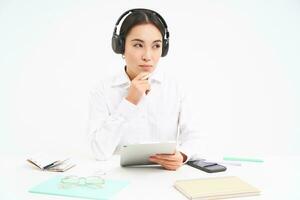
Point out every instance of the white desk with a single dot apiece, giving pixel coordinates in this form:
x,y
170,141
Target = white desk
x,y
278,178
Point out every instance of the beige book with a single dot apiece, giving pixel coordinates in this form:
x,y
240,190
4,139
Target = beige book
x,y
215,188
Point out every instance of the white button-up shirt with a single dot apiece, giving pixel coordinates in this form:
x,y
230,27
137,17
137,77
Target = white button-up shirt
x,y
161,115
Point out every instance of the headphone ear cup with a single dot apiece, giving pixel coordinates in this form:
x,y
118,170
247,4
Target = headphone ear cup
x,y
117,44
165,47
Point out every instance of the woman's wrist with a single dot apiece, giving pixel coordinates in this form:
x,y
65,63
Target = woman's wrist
x,y
184,157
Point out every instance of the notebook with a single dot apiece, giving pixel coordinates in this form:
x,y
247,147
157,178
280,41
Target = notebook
x,y
56,163
51,187
215,188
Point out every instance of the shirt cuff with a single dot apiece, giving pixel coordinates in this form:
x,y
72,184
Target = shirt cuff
x,y
127,109
188,155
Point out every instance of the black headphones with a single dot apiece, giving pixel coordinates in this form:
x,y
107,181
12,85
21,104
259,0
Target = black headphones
x,y
118,43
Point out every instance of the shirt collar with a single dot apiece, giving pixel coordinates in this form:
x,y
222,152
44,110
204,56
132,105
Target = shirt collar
x,y
157,75
123,79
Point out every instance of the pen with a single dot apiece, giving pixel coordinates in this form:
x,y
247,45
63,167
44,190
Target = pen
x,y
50,165
243,159
146,78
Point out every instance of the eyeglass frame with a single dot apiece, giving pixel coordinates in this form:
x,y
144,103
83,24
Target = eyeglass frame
x,y
81,181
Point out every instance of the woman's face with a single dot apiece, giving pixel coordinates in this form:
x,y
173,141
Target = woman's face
x,y
143,48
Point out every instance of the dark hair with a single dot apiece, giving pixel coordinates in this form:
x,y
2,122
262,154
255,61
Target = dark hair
x,y
138,18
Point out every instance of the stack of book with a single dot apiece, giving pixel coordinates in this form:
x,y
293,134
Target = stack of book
x,y
215,188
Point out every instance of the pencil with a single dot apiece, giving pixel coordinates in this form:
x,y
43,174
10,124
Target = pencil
x,y
243,159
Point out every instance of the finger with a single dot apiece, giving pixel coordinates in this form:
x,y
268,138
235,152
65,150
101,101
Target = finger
x,y
142,85
167,157
146,77
145,86
141,75
143,82
173,168
165,162
176,156
154,160
170,166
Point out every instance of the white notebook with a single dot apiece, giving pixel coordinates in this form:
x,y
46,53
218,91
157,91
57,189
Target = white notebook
x,y
215,188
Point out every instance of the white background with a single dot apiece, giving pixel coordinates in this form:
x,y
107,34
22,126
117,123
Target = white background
x,y
238,59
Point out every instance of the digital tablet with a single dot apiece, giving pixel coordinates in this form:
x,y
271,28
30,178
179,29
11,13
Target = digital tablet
x,y
138,154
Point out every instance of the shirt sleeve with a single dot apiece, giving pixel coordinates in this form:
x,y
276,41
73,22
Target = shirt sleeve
x,y
105,128
192,141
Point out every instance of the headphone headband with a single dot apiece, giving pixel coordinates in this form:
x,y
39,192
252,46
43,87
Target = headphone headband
x,y
143,9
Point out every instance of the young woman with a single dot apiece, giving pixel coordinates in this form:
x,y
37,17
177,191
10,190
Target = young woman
x,y
141,104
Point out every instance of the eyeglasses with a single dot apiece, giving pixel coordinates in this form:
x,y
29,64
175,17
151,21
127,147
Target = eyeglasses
x,y
75,181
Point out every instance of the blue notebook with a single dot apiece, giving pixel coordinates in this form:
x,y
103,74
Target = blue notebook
x,y
51,187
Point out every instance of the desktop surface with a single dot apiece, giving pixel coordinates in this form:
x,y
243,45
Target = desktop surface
x,y
274,180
